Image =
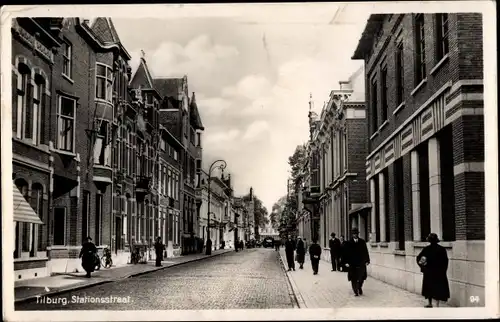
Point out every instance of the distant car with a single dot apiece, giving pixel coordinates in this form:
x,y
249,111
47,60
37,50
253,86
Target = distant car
x,y
268,242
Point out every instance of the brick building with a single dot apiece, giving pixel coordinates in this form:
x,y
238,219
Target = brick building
x,y
179,115
425,163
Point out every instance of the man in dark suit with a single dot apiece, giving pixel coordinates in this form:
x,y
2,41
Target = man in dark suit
x,y
334,245
357,258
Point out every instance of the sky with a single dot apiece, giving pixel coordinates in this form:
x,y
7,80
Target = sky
x,y
253,71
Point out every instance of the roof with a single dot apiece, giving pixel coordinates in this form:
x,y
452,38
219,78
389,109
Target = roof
x,y
365,43
169,87
143,69
195,115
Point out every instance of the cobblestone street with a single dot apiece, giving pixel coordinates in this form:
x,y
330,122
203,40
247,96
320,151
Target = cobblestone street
x,y
251,279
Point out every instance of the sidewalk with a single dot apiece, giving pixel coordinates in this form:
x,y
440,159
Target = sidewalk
x,y
332,289
29,289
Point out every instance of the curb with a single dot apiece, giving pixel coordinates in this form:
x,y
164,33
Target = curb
x,y
293,291
79,287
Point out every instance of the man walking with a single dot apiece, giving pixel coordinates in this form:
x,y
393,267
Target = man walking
x,y
159,247
334,245
315,255
357,258
289,250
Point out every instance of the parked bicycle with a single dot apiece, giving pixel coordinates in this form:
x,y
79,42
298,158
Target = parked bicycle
x,y
106,260
97,262
138,256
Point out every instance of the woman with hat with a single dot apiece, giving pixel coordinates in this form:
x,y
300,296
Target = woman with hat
x,y
88,256
356,259
433,262
300,252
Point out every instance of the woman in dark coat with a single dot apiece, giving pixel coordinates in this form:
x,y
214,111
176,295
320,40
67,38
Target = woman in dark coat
x,y
289,250
88,256
301,252
159,247
433,262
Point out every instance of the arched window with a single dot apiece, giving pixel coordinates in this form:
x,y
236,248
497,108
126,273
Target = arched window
x,y
23,125
155,229
37,204
146,159
129,150
23,229
146,231
38,109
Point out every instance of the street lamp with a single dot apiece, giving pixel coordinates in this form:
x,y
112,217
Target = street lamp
x,y
213,166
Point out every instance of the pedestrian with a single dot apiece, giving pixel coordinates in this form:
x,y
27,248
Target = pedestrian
x,y
357,258
159,247
343,268
334,245
315,255
277,244
88,256
223,245
289,250
300,252
209,244
433,262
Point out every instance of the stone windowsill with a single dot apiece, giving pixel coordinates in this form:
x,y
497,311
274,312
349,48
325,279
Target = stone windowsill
x,y
384,244
43,148
399,108
31,259
68,153
424,244
399,252
439,64
66,77
386,122
418,87
374,135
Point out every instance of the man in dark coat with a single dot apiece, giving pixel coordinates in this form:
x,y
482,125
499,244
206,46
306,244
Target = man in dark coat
x,y
159,247
301,252
433,262
342,251
315,255
334,245
357,258
289,250
88,256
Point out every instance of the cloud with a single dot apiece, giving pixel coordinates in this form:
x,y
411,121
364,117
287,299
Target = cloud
x,y
255,129
251,87
213,106
221,137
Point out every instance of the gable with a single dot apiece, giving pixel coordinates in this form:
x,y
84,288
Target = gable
x,y
104,30
141,77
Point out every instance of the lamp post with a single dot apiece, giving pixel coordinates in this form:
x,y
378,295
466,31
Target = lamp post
x,y
213,166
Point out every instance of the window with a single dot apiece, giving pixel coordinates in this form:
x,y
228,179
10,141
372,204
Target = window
x,y
420,49
59,226
170,184
399,73
385,91
67,55
163,144
176,155
37,204
85,214
198,135
104,82
66,124
445,137
98,219
399,201
129,151
345,152
374,109
101,146
442,33
423,175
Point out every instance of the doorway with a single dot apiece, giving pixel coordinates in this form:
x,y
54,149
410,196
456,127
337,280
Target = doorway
x,y
118,233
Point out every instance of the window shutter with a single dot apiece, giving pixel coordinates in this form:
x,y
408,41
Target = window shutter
x,y
14,102
43,106
28,133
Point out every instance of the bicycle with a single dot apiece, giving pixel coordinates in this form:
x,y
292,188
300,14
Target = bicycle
x,y
106,260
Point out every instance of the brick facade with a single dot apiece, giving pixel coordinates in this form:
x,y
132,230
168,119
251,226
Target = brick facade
x,y
440,126
99,158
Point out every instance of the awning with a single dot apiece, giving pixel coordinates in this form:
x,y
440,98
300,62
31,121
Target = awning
x,y
22,210
359,207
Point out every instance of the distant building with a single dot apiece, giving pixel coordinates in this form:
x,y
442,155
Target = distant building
x,y
425,162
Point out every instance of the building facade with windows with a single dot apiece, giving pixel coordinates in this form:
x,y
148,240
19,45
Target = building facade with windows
x,y
342,135
34,51
179,115
425,163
